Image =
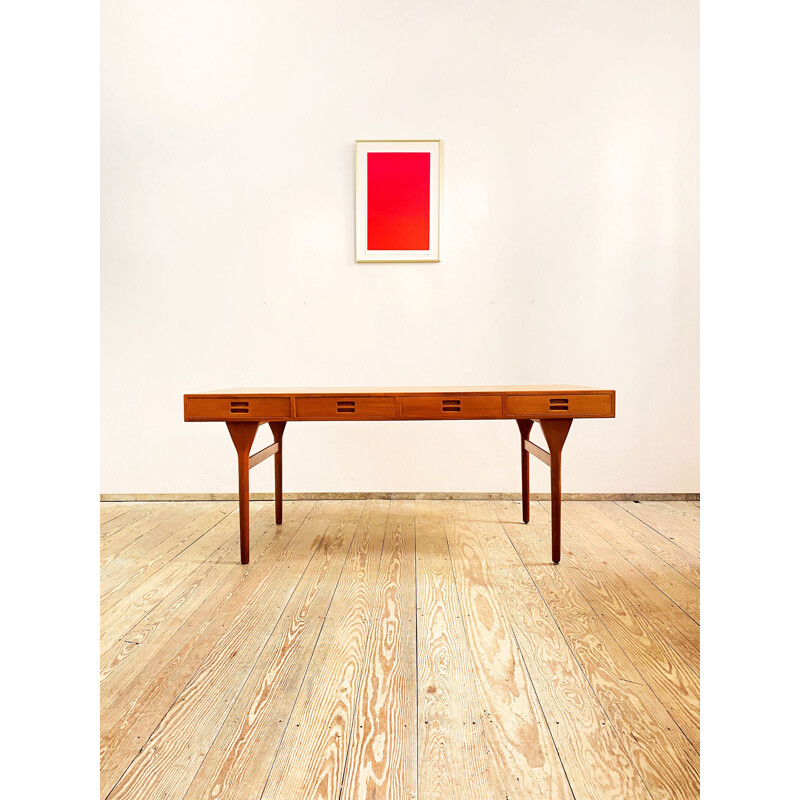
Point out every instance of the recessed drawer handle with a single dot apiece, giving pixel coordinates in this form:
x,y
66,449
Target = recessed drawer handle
x,y
559,404
346,406
451,405
240,407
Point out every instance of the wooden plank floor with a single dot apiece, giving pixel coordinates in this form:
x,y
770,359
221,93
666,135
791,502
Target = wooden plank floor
x,y
400,649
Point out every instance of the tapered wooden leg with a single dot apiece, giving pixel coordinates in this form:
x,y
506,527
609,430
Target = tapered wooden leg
x,y
277,433
555,433
525,426
243,434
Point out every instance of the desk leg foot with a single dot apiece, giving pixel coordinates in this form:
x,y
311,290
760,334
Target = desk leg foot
x,y
525,426
277,433
555,433
243,434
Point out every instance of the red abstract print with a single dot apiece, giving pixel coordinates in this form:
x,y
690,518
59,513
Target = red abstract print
x,y
398,201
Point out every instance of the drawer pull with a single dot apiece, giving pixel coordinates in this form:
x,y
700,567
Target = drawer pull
x,y
346,406
559,404
451,405
240,407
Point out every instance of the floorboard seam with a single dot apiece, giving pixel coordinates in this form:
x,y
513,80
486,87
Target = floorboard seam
x,y
663,536
314,650
210,595
164,566
357,696
574,657
509,618
657,555
568,539
482,711
629,614
191,677
255,661
633,664
625,558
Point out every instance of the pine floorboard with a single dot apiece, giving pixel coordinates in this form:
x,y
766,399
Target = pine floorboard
x,y
399,649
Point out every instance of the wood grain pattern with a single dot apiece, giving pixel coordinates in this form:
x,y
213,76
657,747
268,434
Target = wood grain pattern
x,y
318,731
121,516
381,757
676,684
400,649
111,511
594,758
213,578
672,583
691,510
520,742
154,548
241,674
136,708
166,617
663,755
641,597
684,563
121,537
144,587
671,526
452,752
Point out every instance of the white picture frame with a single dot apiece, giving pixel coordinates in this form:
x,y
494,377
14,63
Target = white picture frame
x,y
368,221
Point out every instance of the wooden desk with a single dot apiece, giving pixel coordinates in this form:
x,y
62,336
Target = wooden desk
x,y
553,407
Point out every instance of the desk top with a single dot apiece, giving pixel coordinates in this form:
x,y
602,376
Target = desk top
x,y
399,403
384,390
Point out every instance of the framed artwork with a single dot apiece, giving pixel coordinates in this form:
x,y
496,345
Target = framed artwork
x,y
398,191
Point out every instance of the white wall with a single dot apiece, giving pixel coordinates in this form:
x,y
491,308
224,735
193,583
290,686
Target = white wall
x,y
569,233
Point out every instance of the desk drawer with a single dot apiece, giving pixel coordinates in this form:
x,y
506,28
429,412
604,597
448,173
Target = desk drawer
x,y
451,407
346,407
225,408
560,405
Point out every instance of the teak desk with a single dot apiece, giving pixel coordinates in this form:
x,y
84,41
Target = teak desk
x,y
244,410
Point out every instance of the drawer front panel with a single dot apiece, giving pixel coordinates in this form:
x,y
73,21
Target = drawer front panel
x,y
214,408
346,407
451,407
559,405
